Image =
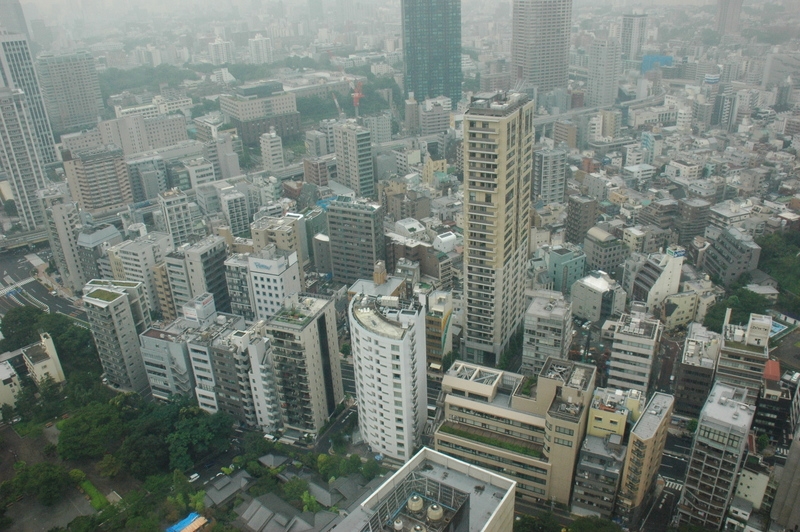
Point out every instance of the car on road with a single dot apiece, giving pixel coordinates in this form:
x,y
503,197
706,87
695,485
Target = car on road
x,y
194,477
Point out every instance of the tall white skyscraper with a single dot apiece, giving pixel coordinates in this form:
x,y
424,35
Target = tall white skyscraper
x,y
389,356
634,29
540,43
17,72
19,156
260,50
605,65
271,151
498,141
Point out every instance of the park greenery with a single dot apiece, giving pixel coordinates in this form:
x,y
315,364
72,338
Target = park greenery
x,y
742,303
780,258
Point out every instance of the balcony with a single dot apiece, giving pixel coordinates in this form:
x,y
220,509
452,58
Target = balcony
x,y
492,439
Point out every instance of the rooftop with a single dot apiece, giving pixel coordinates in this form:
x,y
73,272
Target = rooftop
x,y
638,325
36,353
300,311
386,316
551,305
573,374
432,478
103,295
653,416
701,348
599,281
726,405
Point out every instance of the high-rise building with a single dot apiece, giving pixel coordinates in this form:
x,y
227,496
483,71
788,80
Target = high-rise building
x,y
604,251
597,297
99,180
581,216
654,278
19,156
718,451
93,241
315,171
356,239
733,253
432,48
693,215
548,330
354,168
118,313
271,151
438,330
221,52
540,43
728,13
497,179
198,268
260,50
645,448
694,375
70,90
274,275
549,175
549,415
287,232
134,260
391,384
636,338
17,72
177,216
605,66
63,220
634,31
305,350
744,353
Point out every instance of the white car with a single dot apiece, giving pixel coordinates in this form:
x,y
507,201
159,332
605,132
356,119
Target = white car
x,y
194,477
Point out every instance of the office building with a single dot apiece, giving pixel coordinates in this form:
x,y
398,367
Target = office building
x,y
436,489
776,406
731,254
497,209
540,43
305,351
582,212
390,371
693,215
434,115
728,13
19,156
99,180
597,476
614,411
439,326
236,210
636,338
565,265
652,279
315,171
70,90
287,232
148,177
135,260
548,330
604,251
17,72
549,176
221,52
260,50
177,216
254,108
195,269
271,151
743,354
117,312
93,241
166,360
548,415
634,32
237,277
605,67
63,218
597,297
694,375
643,460
432,48
353,147
356,238
274,276
718,452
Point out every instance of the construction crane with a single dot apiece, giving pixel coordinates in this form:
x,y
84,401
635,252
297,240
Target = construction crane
x,y
339,107
357,95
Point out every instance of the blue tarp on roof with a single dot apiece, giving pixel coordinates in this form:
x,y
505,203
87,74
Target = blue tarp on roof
x,y
177,527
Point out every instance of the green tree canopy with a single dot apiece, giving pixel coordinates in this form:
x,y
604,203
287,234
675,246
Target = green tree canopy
x,y
743,302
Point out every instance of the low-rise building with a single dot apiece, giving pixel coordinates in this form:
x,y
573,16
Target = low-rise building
x,y
597,297
41,360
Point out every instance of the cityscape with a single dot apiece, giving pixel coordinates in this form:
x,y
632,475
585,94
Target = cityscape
x,y
400,265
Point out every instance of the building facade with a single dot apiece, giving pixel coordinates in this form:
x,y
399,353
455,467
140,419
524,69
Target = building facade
x,y
70,90
540,43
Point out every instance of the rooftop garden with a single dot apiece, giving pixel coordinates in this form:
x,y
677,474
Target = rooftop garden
x,y
447,428
104,295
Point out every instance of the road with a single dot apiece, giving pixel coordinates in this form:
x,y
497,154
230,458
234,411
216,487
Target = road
x,y
323,443
17,288
661,513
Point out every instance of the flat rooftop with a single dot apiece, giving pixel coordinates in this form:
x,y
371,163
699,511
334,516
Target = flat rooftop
x,y
572,374
463,491
639,326
385,316
300,312
726,405
653,416
701,348
36,353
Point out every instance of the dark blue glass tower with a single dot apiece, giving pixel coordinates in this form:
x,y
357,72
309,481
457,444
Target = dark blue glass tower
x,y
432,48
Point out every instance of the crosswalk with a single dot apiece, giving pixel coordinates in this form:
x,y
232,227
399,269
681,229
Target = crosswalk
x,y
672,485
15,286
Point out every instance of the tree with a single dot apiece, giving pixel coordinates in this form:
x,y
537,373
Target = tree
x,y
90,433
46,481
762,441
691,426
370,469
11,208
77,476
294,488
593,524
310,503
742,303
543,522
7,412
20,327
109,466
